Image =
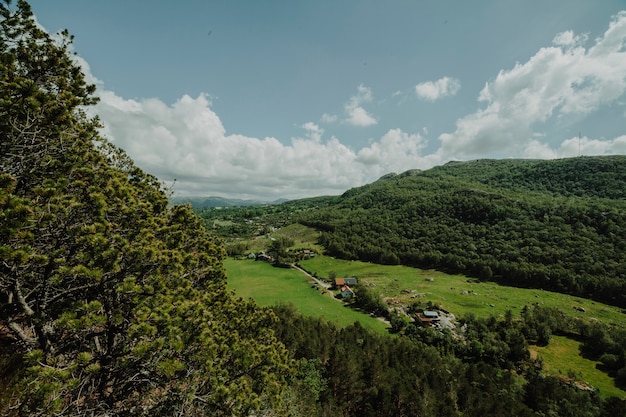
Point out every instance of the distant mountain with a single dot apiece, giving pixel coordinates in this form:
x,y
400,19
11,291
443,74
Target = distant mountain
x,y
558,224
221,202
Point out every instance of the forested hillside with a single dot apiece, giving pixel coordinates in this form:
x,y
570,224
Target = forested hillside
x,y
558,225
114,303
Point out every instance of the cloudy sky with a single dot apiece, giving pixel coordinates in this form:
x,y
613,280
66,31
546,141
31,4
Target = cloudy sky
x,y
289,99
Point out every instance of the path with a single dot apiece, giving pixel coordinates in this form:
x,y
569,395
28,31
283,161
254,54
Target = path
x,y
319,282
327,287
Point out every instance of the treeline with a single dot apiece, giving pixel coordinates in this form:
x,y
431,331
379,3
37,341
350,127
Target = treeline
x,y
558,225
354,372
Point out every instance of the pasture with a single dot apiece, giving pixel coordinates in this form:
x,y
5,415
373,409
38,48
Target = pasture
x,y
400,285
561,357
269,286
458,294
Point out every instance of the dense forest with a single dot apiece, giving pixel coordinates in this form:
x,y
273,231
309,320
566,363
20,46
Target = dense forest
x,y
353,372
558,225
114,302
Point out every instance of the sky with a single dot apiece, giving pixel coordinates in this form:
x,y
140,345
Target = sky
x,y
292,99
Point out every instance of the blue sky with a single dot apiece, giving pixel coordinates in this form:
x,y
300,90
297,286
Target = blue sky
x,y
290,99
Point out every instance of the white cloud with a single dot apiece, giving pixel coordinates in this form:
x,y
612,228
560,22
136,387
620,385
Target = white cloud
x,y
434,90
575,147
558,81
568,38
329,118
396,151
186,141
314,131
357,115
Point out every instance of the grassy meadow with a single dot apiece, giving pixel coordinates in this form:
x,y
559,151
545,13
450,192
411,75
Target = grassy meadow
x,y
458,294
271,286
560,357
401,285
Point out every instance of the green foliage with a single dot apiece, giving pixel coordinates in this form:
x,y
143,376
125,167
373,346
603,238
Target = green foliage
x,y
111,302
358,373
555,225
370,301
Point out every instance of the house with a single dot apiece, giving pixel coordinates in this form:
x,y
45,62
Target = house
x,y
349,281
428,318
346,291
339,282
262,256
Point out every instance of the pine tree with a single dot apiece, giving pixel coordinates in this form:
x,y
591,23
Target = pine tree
x,y
111,301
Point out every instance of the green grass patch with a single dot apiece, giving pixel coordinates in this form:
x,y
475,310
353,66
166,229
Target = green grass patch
x,y
269,286
402,285
562,357
303,236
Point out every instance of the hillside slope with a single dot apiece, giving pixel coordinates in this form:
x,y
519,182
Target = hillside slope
x,y
557,224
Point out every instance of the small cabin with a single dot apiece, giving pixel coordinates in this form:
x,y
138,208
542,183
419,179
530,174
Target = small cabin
x,y
428,317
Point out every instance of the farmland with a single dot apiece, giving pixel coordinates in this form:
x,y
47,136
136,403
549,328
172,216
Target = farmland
x,y
402,286
271,286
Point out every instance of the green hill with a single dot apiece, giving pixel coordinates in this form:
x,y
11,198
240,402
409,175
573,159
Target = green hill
x,y
557,225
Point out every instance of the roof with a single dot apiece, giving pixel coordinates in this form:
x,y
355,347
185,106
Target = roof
x,y
346,291
350,281
431,314
345,281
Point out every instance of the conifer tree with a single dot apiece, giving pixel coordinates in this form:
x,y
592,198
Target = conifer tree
x,y
111,301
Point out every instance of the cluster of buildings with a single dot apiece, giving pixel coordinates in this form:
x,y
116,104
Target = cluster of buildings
x,y
343,285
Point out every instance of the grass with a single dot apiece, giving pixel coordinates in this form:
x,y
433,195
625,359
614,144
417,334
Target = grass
x,y
461,295
301,235
562,357
270,286
400,285
456,293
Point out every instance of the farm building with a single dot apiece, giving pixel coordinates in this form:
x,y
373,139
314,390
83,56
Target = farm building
x,y
428,317
346,291
339,282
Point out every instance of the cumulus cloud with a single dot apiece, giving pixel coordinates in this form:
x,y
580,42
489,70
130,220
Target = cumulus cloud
x,y
558,81
576,146
356,115
329,118
434,90
396,151
187,141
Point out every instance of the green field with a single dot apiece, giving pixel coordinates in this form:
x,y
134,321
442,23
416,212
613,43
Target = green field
x,y
561,357
271,286
401,285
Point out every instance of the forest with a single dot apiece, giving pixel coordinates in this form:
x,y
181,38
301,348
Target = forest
x,y
558,225
113,302
352,372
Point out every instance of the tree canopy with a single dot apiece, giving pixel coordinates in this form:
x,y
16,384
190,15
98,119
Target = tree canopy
x,y
556,225
111,301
